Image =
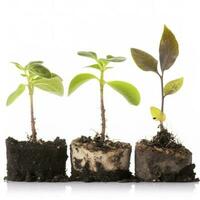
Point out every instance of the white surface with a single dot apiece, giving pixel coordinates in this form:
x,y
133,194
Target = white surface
x,y
53,31
75,191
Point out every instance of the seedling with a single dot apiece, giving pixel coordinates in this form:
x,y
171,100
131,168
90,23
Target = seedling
x,y
168,52
37,76
127,90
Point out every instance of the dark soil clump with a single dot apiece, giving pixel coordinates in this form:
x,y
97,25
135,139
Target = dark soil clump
x,y
40,161
102,176
164,139
185,175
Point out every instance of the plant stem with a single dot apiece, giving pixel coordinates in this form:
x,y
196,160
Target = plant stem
x,y
103,118
162,98
33,129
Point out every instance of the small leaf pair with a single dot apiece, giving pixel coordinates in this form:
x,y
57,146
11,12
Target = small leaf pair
x,y
127,90
168,52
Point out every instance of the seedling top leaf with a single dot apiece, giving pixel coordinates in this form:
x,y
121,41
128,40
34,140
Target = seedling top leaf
x,y
168,52
127,90
37,76
168,49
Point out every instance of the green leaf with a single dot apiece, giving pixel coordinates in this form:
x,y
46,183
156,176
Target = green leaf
x,y
35,62
18,65
56,75
52,85
78,80
127,90
39,70
144,60
111,58
13,96
103,62
88,54
94,66
157,114
168,49
173,86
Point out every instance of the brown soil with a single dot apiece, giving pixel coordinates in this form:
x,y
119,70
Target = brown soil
x,y
40,161
166,142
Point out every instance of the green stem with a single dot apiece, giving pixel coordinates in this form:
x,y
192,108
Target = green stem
x,y
33,129
103,118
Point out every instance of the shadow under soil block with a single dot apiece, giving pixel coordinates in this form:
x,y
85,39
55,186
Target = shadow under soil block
x,y
94,160
40,161
163,159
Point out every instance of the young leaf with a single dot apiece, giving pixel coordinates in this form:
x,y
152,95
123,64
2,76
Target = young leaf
x,y
13,96
88,54
110,58
173,86
127,90
168,49
144,60
18,65
56,75
39,70
95,66
35,62
157,114
102,61
78,80
53,85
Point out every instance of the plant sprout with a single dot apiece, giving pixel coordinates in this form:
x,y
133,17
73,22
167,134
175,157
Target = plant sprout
x,y
168,52
37,76
127,90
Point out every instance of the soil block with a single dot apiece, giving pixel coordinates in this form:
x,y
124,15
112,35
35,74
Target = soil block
x,y
163,159
94,160
40,161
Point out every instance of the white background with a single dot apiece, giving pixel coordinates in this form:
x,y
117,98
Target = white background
x,y
53,31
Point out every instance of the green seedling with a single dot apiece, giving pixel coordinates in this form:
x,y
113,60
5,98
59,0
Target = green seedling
x,y
168,52
37,76
127,90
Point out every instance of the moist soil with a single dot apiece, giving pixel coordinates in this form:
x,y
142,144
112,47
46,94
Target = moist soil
x,y
86,175
168,143
36,161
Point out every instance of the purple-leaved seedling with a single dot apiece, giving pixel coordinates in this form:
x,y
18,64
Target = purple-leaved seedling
x,y
168,52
